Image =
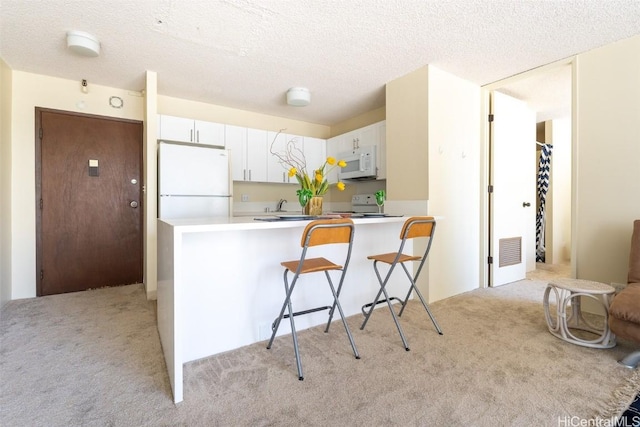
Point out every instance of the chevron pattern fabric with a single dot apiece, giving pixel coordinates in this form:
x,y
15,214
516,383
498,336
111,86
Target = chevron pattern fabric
x,y
544,168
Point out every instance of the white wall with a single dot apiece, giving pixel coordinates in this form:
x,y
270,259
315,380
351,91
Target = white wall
x,y
28,92
606,159
5,183
560,193
433,152
454,183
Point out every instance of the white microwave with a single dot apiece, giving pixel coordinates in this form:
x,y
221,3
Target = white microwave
x,y
361,164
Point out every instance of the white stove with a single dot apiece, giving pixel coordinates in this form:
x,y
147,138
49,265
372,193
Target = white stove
x,y
364,203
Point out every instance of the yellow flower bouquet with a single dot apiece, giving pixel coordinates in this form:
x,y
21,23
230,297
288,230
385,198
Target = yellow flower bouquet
x,y
314,184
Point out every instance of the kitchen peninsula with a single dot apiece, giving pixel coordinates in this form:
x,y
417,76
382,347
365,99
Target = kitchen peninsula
x,y
220,282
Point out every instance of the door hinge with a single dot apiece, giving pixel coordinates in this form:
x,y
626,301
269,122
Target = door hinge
x,y
490,260
40,133
41,203
491,117
490,189
41,274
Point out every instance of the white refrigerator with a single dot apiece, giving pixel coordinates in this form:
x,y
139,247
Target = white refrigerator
x,y
193,181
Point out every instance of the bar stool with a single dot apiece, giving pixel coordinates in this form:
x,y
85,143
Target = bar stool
x,y
316,233
414,227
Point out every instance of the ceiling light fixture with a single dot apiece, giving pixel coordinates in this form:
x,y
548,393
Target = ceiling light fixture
x,y
83,43
298,96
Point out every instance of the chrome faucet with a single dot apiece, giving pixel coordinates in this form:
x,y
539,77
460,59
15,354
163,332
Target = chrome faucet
x,y
279,205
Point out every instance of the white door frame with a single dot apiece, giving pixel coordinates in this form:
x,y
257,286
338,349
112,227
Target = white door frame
x,y
485,162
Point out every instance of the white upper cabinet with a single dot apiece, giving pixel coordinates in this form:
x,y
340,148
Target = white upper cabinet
x,y
257,155
278,142
381,150
374,134
315,152
209,133
236,142
173,128
248,148
251,158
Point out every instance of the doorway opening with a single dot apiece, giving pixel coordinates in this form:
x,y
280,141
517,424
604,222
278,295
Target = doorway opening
x,y
548,92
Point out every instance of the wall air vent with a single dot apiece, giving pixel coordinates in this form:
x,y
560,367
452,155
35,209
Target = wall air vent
x,y
510,251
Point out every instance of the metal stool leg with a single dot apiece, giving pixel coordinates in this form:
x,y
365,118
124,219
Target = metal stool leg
x,y
276,325
295,342
375,300
422,300
333,306
336,303
426,307
386,295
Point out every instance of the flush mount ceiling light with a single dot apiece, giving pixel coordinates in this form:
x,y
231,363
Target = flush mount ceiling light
x,y
83,43
298,96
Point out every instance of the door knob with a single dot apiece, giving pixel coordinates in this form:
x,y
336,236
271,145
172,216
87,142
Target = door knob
x,y
133,204
526,204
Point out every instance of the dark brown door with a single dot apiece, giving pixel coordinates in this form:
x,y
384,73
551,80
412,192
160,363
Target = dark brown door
x,y
89,213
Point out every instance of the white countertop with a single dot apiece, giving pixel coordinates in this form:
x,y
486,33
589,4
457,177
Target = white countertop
x,y
248,223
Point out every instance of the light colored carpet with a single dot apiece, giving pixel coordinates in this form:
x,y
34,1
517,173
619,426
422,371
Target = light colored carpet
x,y
94,359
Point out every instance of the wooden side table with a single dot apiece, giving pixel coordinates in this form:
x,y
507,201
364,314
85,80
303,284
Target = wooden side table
x,y
569,292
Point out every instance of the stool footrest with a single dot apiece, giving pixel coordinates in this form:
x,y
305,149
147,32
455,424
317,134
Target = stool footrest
x,y
299,313
379,302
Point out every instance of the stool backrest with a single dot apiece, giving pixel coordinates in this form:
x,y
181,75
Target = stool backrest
x,y
418,226
326,231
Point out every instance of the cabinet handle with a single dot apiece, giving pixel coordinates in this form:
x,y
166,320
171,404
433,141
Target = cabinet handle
x,y
191,135
244,174
249,174
283,178
197,136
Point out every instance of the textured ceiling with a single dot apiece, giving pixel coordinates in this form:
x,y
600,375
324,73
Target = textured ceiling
x,y
246,53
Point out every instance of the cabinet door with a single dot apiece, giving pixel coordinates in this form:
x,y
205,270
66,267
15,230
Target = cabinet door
x,y
315,153
209,133
278,142
382,150
368,135
176,129
335,147
256,155
236,142
345,142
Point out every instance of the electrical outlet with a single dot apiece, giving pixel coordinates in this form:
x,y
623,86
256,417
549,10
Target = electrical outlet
x,y
245,197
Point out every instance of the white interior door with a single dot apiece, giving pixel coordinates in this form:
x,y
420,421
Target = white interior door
x,y
513,202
